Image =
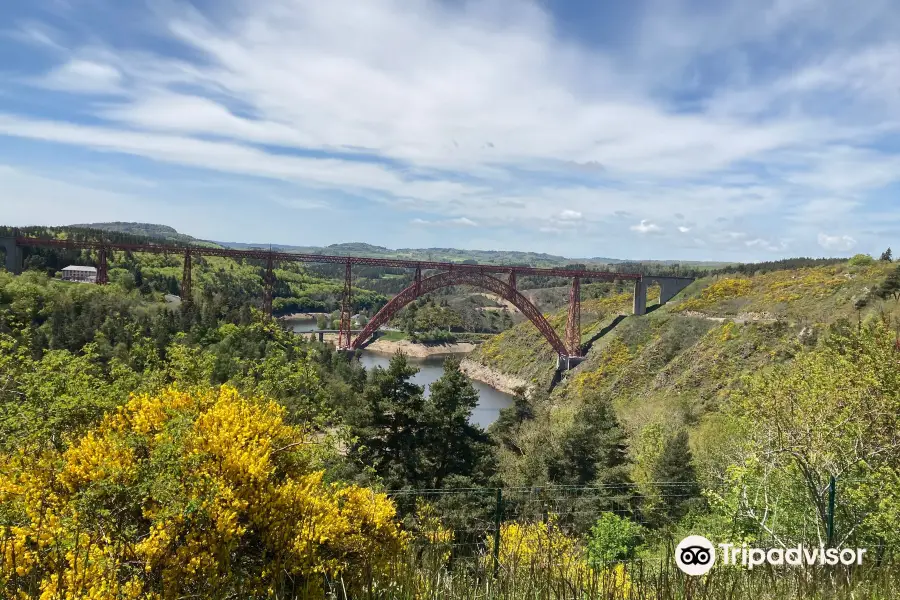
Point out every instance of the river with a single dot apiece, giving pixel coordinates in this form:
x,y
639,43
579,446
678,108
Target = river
x,y
302,324
490,401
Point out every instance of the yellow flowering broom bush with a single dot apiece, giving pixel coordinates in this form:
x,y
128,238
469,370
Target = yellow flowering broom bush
x,y
724,289
559,559
187,494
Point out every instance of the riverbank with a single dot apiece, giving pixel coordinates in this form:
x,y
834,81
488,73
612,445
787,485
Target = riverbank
x,y
494,378
418,350
301,316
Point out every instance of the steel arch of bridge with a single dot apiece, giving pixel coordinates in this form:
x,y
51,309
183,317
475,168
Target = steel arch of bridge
x,y
420,287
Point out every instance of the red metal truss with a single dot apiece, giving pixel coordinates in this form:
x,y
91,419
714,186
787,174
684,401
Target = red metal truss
x,y
261,254
102,267
573,322
346,307
462,277
453,274
268,286
187,295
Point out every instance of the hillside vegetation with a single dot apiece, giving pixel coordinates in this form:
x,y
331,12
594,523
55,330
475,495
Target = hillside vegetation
x,y
155,450
677,366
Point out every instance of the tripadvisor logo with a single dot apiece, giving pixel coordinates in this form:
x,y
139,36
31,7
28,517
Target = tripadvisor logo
x,y
696,555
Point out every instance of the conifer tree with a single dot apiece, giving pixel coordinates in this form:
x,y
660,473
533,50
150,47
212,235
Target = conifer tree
x,y
675,479
391,438
454,445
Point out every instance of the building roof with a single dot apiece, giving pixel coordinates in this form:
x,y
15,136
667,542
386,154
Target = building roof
x,y
80,268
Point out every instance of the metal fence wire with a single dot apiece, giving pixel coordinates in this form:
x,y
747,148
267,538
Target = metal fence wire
x,y
471,519
533,542
474,516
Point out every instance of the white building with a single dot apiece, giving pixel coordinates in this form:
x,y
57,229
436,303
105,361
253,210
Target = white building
x,y
79,273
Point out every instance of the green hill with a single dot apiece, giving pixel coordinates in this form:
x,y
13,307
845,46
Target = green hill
x,y
674,366
151,230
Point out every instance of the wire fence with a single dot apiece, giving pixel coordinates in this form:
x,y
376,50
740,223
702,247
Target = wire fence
x,y
471,520
534,542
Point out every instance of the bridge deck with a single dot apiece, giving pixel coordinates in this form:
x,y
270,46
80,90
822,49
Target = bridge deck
x,y
262,254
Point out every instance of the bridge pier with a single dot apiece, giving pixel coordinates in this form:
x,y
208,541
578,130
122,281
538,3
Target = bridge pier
x,y
566,363
640,297
13,255
669,287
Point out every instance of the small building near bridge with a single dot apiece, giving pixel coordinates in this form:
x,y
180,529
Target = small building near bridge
x,y
80,273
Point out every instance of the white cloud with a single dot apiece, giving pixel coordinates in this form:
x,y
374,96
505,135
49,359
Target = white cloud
x,y
83,76
766,245
457,222
569,215
466,108
646,226
836,242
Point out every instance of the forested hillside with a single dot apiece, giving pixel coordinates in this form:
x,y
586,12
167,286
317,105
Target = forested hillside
x,y
155,449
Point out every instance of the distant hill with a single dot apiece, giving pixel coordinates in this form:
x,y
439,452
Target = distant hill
x,y
503,257
152,230
536,259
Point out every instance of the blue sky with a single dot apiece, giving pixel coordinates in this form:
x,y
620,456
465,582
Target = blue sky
x,y
741,130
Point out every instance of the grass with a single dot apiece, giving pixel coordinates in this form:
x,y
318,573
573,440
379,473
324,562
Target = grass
x,y
394,336
475,579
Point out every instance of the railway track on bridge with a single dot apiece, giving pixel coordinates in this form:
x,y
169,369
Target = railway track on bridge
x,y
485,277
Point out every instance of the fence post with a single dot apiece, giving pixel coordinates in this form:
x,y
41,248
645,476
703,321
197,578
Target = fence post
x,y
498,519
830,524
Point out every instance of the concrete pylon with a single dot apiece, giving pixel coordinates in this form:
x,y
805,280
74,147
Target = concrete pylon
x,y
668,289
640,297
670,286
13,255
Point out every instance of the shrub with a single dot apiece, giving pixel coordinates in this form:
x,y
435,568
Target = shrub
x,y
543,551
200,494
724,289
613,539
861,260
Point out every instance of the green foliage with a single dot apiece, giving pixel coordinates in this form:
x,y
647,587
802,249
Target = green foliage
x,y
675,481
887,256
861,260
391,431
454,447
890,287
592,449
44,401
613,539
833,411
411,441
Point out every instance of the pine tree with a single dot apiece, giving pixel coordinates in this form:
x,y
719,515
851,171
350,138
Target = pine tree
x,y
891,285
510,419
675,479
392,434
592,450
887,255
454,446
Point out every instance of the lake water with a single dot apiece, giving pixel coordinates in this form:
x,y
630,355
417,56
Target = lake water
x,y
490,401
302,324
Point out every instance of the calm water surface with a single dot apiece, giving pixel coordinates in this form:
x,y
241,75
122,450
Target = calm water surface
x,y
302,324
490,401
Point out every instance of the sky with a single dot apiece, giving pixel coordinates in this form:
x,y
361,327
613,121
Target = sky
x,y
738,130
